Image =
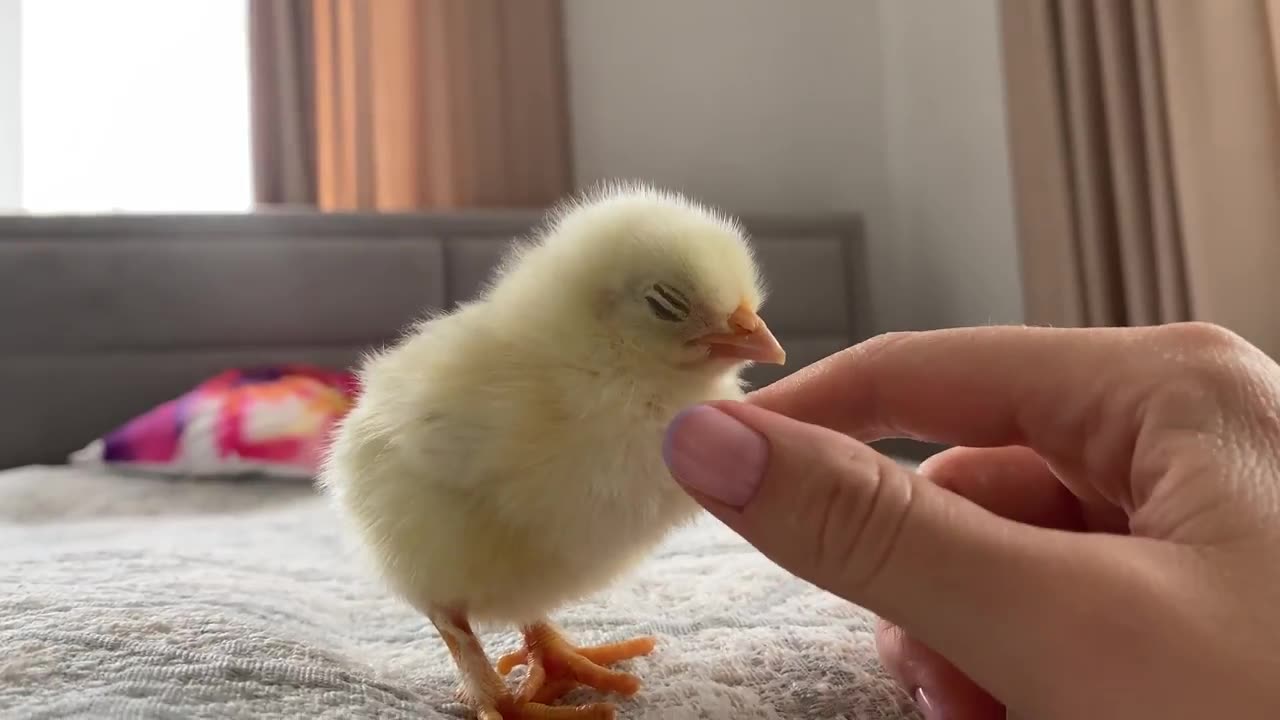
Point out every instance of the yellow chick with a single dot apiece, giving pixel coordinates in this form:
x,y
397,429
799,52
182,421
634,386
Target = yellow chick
x,y
504,459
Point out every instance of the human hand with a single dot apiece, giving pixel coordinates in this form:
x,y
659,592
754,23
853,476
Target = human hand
x,y
1104,542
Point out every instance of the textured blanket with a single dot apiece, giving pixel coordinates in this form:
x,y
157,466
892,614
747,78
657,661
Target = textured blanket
x,y
144,598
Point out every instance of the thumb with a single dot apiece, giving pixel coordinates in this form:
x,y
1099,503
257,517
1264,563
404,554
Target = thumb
x,y
974,586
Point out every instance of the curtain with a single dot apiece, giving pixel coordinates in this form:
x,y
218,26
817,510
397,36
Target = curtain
x,y
1145,143
455,105
282,98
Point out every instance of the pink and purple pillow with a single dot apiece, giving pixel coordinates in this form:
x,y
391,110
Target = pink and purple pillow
x,y
271,420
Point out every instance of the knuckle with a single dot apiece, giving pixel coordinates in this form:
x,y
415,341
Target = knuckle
x,y
1207,347
895,650
841,521
1201,336
859,518
1209,357
1215,374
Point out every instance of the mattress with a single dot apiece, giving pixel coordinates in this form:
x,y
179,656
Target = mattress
x,y
148,598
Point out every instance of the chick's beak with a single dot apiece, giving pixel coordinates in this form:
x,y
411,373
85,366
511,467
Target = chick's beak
x,y
748,339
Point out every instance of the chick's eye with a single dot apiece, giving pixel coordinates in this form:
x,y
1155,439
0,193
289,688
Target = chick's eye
x,y
667,303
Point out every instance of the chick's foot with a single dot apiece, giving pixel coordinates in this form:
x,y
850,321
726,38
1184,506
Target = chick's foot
x,y
555,666
483,690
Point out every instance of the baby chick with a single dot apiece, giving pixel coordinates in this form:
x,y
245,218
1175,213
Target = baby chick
x,y
504,459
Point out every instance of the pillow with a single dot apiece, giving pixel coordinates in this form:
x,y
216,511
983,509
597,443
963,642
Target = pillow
x,y
271,421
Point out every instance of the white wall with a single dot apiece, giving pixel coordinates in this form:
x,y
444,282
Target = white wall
x,y
948,163
757,103
10,97
762,105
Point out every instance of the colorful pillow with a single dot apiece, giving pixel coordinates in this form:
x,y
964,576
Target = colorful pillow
x,y
268,420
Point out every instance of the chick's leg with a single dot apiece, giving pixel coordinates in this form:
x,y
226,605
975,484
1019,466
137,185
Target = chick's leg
x,y
484,691
555,666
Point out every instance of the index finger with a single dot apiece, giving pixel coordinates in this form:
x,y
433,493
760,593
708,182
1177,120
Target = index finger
x,y
1044,388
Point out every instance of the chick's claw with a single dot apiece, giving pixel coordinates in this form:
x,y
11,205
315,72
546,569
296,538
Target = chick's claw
x,y
555,667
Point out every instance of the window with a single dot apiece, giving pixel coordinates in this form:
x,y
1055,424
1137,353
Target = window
x,y
135,106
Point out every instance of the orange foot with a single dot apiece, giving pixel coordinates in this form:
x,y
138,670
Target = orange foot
x,y
482,689
557,667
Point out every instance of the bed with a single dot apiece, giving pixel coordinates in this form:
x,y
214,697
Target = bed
x,y
135,596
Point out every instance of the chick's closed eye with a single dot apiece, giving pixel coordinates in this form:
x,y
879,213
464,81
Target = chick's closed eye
x,y
668,303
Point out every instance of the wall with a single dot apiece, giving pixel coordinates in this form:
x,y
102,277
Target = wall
x,y
947,177
10,97
757,103
792,107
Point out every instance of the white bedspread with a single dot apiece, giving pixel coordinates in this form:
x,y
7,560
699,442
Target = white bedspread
x,y
133,597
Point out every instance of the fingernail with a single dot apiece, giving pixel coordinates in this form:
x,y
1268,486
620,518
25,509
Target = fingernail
x,y
711,452
926,707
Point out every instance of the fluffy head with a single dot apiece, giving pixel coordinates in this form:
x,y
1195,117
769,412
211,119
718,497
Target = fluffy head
x,y
645,277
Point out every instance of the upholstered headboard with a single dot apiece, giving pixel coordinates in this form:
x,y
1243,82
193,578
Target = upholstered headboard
x,y
102,317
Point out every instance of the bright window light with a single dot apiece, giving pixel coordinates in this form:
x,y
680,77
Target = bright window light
x,y
135,106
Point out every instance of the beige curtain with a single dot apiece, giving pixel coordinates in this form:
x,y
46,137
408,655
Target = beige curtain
x,y
434,104
283,102
1145,138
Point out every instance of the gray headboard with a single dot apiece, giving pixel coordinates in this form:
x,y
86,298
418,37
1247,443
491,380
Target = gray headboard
x,y
102,317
